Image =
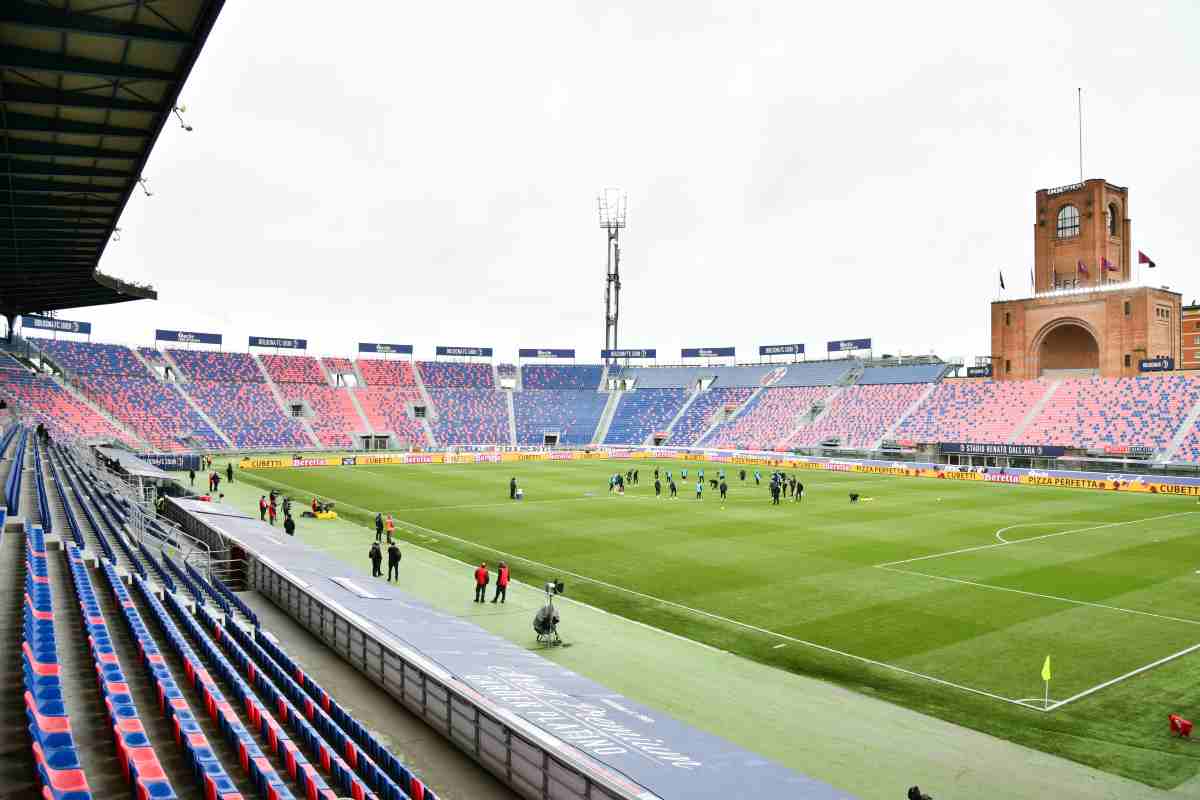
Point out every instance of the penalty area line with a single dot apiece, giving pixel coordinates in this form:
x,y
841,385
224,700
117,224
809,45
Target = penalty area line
x,y
1119,678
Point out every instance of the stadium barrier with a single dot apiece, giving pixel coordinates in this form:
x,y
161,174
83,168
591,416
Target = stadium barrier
x,y
1062,479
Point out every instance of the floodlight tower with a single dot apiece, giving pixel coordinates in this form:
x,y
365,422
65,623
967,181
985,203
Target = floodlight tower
x,y
612,204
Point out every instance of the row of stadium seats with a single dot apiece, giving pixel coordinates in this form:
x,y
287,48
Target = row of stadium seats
x,y
155,410
43,400
455,375
972,411
573,414
90,358
386,410
860,415
643,412
248,413
381,372
552,376
334,420
470,416
699,415
293,369
768,419
214,366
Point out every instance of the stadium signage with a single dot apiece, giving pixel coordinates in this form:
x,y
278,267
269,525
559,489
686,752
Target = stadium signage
x,y
482,352
1166,364
649,353
780,349
172,461
378,347
533,352
269,341
979,372
187,337
707,352
846,345
974,449
51,324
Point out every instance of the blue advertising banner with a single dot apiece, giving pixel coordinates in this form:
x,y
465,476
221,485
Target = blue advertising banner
x,y
531,352
644,353
979,372
974,449
845,345
188,337
51,324
780,349
379,347
273,341
483,352
1165,364
706,352
172,461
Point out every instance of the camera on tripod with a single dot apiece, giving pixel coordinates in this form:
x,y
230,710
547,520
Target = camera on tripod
x,y
545,622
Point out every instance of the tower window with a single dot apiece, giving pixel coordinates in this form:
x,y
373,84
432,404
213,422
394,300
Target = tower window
x,y
1007,365
1110,218
1007,318
1068,222
1128,360
1128,308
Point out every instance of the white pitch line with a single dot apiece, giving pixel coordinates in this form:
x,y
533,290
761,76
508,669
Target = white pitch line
x,y
1033,538
1120,678
1104,606
1026,525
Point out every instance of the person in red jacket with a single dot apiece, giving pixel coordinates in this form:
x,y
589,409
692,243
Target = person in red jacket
x,y
501,583
481,582
262,508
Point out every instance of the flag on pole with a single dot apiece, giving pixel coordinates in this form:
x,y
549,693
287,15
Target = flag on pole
x,y
1107,266
1145,259
1032,282
1082,267
1046,670
1001,279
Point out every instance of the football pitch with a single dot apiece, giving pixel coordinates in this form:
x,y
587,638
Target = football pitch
x,y
943,596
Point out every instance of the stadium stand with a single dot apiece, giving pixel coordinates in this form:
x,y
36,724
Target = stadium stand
x,y
458,375
43,400
768,419
699,414
663,377
1114,412
573,414
971,411
818,373
293,369
155,410
152,355
386,410
381,372
859,415
334,419
248,414
470,416
906,373
208,365
338,366
88,358
548,376
643,412
506,371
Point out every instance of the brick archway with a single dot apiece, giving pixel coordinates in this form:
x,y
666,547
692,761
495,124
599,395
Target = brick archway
x,y
1065,343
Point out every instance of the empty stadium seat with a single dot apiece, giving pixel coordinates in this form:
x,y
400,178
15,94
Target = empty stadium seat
x,y
971,411
643,412
334,420
455,375
554,376
699,415
386,372
572,414
42,399
859,415
154,409
386,408
293,369
248,413
470,416
209,365
768,419
88,358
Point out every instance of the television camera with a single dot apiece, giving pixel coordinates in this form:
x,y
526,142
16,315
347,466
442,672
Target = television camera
x,y
545,621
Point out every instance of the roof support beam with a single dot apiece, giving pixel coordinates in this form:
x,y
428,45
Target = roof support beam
x,y
31,147
44,186
58,213
38,95
52,201
18,122
52,19
15,166
42,225
26,59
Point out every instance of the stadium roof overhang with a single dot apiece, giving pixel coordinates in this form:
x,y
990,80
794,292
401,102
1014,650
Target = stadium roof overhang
x,y
85,89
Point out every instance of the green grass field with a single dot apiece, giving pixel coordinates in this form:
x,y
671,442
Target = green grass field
x,y
945,597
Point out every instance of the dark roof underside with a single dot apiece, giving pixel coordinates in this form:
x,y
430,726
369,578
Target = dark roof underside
x,y
85,88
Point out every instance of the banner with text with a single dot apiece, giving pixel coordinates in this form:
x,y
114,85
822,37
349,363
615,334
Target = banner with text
x,y
532,352
478,352
974,449
979,372
707,352
645,353
274,341
379,347
846,345
51,324
187,337
172,461
780,349
1165,364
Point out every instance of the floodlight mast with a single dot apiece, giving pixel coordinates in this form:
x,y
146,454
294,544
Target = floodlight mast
x,y
612,205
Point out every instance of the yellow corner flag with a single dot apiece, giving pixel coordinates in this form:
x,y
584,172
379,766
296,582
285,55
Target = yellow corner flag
x,y
1046,669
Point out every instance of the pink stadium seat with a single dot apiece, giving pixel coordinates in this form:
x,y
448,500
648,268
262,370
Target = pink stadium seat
x,y
386,410
154,409
455,375
860,415
971,411
248,413
699,414
384,372
293,369
40,397
209,365
335,419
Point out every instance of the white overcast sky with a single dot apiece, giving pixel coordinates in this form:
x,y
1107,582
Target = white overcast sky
x,y
426,173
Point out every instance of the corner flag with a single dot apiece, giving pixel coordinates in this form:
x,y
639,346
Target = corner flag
x,y
1046,670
